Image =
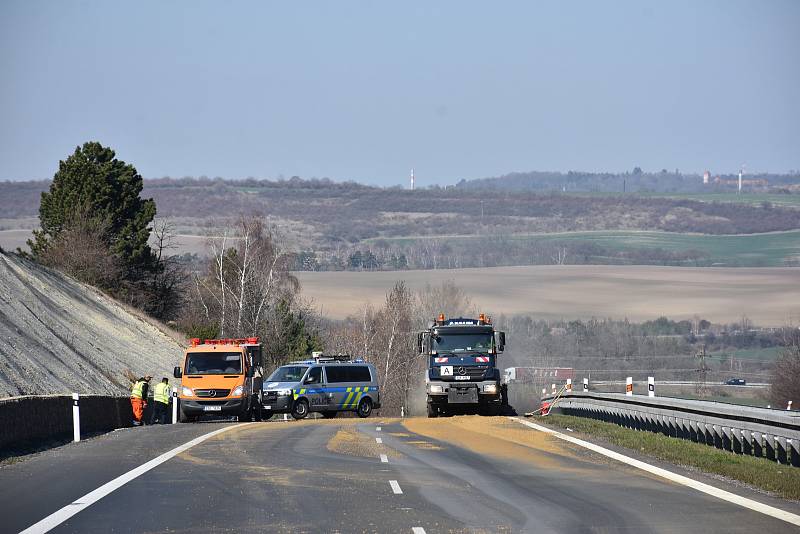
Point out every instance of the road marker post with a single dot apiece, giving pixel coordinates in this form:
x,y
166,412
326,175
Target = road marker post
x,y
76,418
651,386
629,386
585,385
174,406
789,406
569,385
553,388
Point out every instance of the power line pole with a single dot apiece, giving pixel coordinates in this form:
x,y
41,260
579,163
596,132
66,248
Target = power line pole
x,y
703,369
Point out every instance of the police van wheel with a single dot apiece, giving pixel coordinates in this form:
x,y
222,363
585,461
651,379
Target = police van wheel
x,y
432,411
300,409
364,408
329,414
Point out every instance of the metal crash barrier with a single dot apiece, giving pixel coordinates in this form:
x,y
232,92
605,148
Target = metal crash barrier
x,y
760,432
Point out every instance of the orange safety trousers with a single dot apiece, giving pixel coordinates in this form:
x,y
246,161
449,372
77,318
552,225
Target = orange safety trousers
x,y
138,408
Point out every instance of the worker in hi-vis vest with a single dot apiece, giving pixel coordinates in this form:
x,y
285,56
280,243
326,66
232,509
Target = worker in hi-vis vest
x,y
139,398
161,394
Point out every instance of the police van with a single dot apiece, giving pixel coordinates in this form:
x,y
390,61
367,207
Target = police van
x,y
324,384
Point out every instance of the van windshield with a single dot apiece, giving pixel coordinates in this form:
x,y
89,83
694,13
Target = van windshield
x,y
288,373
213,363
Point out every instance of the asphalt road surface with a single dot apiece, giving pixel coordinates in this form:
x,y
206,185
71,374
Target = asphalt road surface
x,y
457,474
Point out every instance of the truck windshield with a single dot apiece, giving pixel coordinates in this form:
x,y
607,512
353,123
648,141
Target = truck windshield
x,y
288,373
462,343
214,363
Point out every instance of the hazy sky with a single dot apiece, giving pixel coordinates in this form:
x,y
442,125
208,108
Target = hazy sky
x,y
367,90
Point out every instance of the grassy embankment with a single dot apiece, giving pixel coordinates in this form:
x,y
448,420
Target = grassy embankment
x,y
760,473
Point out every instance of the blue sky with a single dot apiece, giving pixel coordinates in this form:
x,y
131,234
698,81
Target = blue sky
x,y
366,90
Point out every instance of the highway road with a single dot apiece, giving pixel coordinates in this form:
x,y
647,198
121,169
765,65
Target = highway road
x,y
457,474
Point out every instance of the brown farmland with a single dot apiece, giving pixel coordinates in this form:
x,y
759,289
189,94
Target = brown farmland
x,y
768,296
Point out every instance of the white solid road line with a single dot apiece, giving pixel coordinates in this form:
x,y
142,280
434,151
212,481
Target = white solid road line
x,y
395,487
58,517
777,513
384,459
378,440
417,530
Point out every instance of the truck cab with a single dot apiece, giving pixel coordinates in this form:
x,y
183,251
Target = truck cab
x,y
462,373
221,377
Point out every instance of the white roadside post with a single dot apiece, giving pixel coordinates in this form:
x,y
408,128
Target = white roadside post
x,y
789,406
553,388
585,385
651,386
544,392
569,385
629,386
76,418
402,414
174,405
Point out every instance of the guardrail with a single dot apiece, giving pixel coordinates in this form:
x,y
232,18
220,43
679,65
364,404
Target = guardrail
x,y
761,432
33,419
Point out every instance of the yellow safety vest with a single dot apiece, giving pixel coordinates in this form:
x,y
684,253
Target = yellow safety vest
x,y
137,389
161,393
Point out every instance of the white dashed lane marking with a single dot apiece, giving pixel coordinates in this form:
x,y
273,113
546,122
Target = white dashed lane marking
x,y
395,487
384,459
417,530
378,440
377,429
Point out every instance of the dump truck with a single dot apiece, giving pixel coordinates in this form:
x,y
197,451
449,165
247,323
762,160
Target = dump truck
x,y
462,374
221,377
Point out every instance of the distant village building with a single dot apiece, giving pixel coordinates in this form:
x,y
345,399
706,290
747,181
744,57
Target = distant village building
x,y
706,177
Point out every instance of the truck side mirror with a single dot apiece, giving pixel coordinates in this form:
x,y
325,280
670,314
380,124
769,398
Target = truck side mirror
x,y
501,341
176,372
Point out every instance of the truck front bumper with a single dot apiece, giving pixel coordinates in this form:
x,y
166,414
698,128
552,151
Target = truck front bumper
x,y
211,407
459,392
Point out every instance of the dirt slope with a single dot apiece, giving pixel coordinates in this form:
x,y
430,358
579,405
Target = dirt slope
x,y
60,336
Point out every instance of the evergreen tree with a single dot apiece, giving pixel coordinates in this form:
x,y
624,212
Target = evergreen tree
x,y
93,181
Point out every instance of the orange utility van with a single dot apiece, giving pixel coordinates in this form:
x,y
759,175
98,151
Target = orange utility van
x,y
221,377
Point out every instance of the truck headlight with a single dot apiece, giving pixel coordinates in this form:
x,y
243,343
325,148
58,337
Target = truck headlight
x,y
437,389
284,392
237,392
490,388
187,392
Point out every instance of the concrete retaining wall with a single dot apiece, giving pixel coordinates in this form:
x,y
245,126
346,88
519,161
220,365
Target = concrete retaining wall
x,y
25,420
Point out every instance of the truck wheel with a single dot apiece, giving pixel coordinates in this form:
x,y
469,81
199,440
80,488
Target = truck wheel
x,y
432,411
329,414
183,418
244,417
364,408
300,409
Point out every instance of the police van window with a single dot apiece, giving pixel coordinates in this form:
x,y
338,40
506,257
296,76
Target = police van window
x,y
287,373
359,374
314,376
336,373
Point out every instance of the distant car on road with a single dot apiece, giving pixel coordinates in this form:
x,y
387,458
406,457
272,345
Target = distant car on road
x,y
736,382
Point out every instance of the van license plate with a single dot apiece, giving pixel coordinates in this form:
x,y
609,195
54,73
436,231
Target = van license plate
x,y
212,408
462,377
